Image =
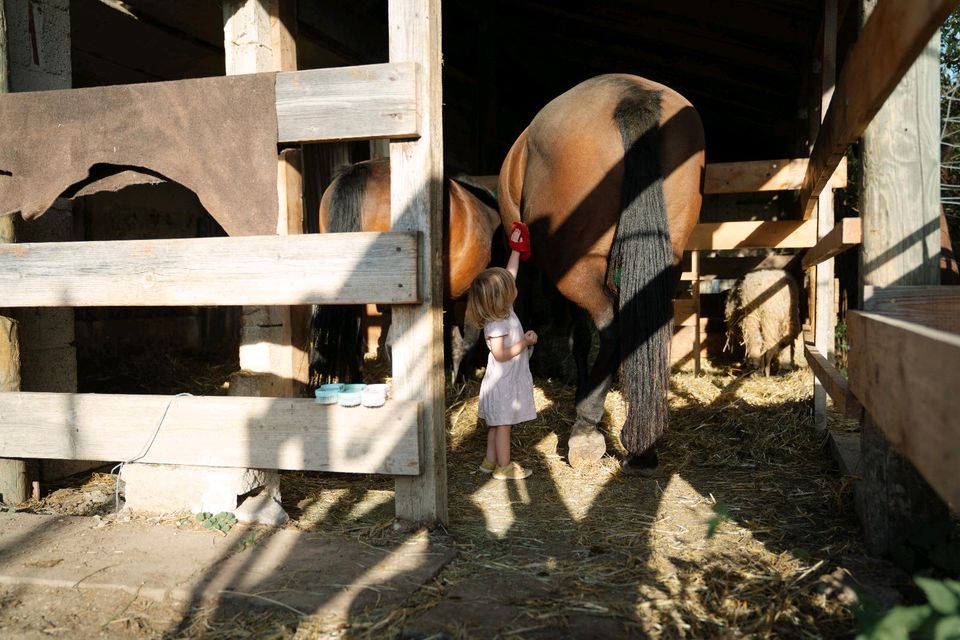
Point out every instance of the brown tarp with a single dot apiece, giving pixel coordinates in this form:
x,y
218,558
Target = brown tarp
x,y
215,136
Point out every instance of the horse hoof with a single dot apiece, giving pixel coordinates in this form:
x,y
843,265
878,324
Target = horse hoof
x,y
585,447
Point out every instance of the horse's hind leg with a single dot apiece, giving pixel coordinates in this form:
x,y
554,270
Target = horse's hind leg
x,y
580,342
587,445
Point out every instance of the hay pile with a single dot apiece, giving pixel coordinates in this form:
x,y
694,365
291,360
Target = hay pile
x,y
628,550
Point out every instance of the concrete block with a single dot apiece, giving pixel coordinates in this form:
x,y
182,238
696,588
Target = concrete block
x,y
45,327
258,385
14,483
38,58
52,370
262,509
162,488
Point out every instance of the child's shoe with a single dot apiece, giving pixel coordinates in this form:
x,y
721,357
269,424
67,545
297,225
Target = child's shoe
x,y
487,466
512,471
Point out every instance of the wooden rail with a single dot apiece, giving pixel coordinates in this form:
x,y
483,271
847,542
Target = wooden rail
x,y
348,103
894,35
788,234
935,307
260,433
904,374
833,382
346,268
763,175
847,233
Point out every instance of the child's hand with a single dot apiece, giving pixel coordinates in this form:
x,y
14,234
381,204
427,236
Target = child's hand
x,y
530,337
520,240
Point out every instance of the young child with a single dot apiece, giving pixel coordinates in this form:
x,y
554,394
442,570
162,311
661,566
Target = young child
x,y
506,393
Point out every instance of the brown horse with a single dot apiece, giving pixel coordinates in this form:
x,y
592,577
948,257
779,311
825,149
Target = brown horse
x,y
609,178
358,199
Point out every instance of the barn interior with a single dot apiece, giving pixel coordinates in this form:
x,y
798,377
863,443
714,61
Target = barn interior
x,y
750,68
745,66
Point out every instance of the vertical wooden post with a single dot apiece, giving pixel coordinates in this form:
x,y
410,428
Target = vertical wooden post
x,y
13,473
822,281
283,44
900,208
695,290
416,181
259,36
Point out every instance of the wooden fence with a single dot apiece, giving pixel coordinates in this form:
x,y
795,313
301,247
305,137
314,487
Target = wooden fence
x,y
401,101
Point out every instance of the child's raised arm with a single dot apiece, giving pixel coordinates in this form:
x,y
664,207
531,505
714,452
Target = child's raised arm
x,y
520,244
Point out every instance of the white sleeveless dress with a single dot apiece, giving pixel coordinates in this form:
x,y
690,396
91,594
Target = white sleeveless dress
x,y
506,393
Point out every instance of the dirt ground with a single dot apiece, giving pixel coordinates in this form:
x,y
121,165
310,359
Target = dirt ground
x,y
567,553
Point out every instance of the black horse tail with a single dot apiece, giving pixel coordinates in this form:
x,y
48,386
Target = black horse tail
x,y
642,269
336,345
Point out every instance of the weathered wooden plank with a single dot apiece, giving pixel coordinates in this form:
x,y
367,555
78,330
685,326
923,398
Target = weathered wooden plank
x,y
349,268
900,210
763,175
936,307
893,37
787,234
833,382
348,103
416,203
261,433
847,233
823,317
909,387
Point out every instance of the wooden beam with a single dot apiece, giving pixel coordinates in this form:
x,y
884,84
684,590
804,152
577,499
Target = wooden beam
x,y
905,376
416,204
763,175
346,268
833,382
729,177
732,267
788,234
823,316
847,233
263,433
348,103
935,307
893,37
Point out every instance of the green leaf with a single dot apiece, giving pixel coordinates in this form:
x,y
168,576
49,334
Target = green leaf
x,y
867,612
941,598
248,540
900,621
947,628
801,554
721,514
953,585
204,516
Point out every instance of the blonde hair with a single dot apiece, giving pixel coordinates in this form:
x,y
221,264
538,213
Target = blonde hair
x,y
491,295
